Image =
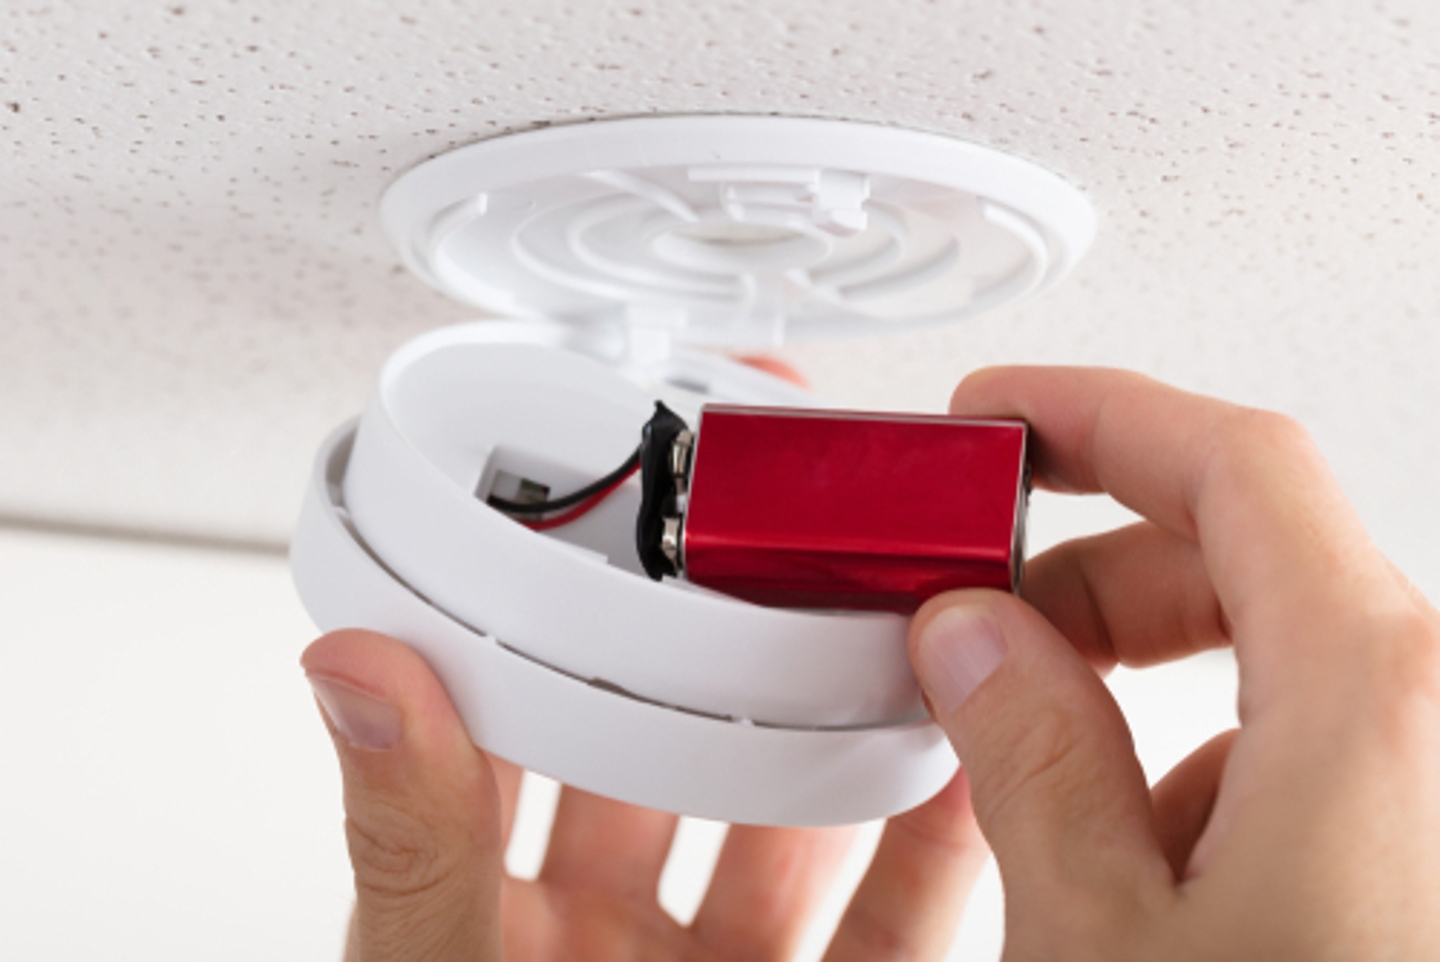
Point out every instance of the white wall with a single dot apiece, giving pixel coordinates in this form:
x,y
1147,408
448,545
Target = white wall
x,y
168,791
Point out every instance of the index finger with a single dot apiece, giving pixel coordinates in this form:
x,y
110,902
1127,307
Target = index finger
x,y
1281,545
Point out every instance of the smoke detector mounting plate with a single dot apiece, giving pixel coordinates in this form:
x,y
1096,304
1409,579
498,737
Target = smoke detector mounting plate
x,y
736,231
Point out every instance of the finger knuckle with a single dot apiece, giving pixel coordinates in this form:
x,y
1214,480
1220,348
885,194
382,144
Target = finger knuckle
x,y
1412,685
395,854
1034,760
1251,436
1422,644
1265,429
871,934
947,830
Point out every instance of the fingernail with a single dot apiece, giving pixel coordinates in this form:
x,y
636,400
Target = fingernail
x,y
363,720
958,649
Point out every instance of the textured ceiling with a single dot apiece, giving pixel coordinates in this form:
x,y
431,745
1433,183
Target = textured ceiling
x,y
194,288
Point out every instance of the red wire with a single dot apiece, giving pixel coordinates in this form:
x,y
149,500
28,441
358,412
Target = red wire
x,y
584,507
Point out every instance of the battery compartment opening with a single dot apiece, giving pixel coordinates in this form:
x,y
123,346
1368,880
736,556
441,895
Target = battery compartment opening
x,y
607,530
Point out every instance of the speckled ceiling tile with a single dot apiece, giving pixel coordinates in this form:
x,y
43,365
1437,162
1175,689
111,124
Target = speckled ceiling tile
x,y
193,287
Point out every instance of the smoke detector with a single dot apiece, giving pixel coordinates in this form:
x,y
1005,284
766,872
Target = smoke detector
x,y
616,254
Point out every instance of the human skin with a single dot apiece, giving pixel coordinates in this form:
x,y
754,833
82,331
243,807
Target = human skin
x,y
1313,832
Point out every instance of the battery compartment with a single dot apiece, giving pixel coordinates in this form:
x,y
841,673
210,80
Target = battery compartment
x,y
453,409
491,411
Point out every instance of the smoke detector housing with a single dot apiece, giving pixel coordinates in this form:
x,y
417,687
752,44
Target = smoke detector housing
x,y
617,253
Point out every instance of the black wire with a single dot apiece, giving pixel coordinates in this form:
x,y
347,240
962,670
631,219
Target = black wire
x,y
590,490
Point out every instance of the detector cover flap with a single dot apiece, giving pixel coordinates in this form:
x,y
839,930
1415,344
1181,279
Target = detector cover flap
x,y
733,232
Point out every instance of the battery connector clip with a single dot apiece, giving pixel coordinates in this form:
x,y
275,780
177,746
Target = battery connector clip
x,y
663,462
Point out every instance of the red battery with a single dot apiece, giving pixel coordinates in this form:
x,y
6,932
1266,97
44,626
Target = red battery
x,y
842,510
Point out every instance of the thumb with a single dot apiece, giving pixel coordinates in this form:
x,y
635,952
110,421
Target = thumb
x,y
422,810
1054,780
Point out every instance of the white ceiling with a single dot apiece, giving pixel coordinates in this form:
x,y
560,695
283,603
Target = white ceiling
x,y
194,288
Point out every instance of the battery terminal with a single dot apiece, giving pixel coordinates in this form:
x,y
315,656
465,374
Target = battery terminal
x,y
670,542
680,453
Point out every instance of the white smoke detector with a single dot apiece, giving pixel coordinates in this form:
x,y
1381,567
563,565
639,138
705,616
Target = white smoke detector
x,y
614,251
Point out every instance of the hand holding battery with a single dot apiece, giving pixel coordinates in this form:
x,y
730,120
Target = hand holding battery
x,y
1313,831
